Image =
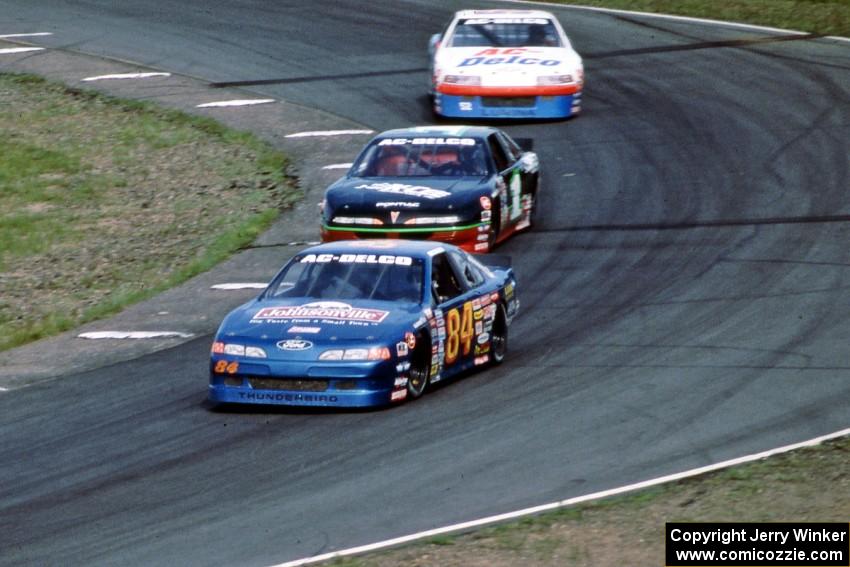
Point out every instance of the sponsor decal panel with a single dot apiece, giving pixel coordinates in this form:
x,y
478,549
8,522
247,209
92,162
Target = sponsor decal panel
x,y
421,191
330,310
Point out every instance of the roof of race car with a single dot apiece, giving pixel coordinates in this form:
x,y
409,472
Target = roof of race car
x,y
447,130
502,14
383,246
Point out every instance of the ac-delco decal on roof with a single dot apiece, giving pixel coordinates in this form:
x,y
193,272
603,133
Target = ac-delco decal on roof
x,y
427,142
321,310
357,259
403,189
484,21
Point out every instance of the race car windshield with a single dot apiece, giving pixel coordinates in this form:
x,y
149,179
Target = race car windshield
x,y
376,277
532,32
422,157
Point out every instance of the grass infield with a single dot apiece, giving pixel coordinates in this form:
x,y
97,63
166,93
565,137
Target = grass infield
x,y
822,17
106,202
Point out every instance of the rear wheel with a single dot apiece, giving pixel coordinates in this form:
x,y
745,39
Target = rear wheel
x,y
499,337
420,368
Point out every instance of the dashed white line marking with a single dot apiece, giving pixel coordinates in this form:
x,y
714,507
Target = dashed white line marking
x,y
35,34
9,50
126,76
2,389
248,285
561,504
134,335
246,102
328,133
337,166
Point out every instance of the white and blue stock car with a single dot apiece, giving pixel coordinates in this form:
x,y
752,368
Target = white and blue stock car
x,y
505,64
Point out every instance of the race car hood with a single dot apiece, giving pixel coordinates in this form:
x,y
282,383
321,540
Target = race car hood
x,y
396,200
304,325
519,66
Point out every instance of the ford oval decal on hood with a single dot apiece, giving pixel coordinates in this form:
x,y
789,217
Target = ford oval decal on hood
x,y
294,344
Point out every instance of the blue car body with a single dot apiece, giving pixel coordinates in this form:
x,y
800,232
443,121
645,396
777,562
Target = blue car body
x,y
356,338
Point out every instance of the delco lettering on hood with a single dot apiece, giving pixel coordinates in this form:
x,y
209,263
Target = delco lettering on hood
x,y
321,310
403,189
512,60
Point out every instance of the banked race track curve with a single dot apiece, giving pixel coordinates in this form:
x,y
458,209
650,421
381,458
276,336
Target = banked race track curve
x,y
684,299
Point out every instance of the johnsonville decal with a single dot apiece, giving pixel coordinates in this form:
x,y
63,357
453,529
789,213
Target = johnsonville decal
x,y
321,310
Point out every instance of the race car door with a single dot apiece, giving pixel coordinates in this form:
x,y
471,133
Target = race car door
x,y
513,178
453,294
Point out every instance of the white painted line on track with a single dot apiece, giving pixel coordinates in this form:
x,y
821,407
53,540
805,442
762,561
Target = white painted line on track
x,y
245,102
328,133
9,50
231,286
35,34
561,504
126,76
337,166
134,335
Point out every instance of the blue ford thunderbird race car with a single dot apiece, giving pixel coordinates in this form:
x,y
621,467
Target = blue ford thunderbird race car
x,y
363,323
472,186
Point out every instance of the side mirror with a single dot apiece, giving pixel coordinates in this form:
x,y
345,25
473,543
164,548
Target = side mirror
x,y
529,162
433,43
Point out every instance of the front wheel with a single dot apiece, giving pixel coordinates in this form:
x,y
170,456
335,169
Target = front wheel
x,y
499,337
420,369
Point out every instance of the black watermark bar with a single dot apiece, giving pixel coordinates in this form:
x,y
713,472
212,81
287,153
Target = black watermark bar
x,y
738,544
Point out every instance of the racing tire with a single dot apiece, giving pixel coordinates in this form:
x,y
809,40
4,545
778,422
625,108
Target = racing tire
x,y
499,337
495,222
419,376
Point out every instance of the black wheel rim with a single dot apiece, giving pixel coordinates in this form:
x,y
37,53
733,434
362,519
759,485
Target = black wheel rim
x,y
420,372
499,340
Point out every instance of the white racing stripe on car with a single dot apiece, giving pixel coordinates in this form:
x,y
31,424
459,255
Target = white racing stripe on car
x,y
561,504
134,335
9,50
328,133
34,34
337,166
244,102
126,76
230,286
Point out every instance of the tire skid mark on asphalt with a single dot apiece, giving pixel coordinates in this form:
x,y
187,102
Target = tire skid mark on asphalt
x,y
535,510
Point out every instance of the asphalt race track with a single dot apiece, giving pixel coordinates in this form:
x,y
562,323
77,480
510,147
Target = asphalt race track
x,y
684,301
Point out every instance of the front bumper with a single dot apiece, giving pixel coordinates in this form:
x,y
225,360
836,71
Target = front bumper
x,y
343,384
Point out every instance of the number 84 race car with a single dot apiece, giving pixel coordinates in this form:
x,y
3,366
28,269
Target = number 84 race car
x,y
363,323
505,64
